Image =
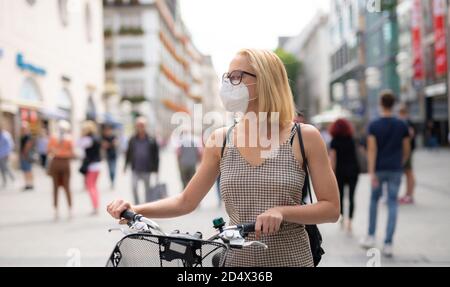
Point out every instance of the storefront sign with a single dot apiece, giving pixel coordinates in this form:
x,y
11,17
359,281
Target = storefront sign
x,y
29,67
436,90
440,45
418,65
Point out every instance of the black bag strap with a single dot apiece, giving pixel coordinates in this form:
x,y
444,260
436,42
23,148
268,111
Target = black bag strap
x,y
227,138
306,185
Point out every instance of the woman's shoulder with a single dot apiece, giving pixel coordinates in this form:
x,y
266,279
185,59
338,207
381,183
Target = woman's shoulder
x,y
310,132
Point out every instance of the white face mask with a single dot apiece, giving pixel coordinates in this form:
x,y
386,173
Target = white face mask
x,y
235,98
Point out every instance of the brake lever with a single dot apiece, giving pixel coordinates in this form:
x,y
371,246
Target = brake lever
x,y
123,230
139,226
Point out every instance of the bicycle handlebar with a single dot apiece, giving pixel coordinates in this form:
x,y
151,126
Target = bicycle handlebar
x,y
130,215
248,227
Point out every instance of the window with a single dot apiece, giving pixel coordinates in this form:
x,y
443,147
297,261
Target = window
x,y
64,101
63,11
88,22
132,20
131,53
132,87
109,55
30,91
108,22
91,110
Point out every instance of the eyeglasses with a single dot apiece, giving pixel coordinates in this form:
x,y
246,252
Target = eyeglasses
x,y
235,77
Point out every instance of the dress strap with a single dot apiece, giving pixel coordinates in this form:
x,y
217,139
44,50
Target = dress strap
x,y
227,139
293,132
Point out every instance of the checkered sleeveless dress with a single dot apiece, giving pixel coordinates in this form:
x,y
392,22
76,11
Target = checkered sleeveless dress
x,y
249,191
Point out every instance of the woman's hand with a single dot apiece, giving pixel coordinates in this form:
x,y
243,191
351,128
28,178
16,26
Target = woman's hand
x,y
117,207
268,223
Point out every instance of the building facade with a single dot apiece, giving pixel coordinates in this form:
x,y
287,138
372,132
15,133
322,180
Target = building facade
x,y
435,65
51,62
381,39
311,47
423,65
149,55
348,56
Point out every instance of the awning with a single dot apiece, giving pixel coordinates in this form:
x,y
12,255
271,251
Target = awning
x,y
55,114
330,116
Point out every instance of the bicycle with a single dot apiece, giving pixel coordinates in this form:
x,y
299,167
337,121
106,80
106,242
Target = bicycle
x,y
146,245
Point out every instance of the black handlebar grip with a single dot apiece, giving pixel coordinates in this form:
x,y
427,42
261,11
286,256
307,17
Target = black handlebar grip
x,y
128,215
248,227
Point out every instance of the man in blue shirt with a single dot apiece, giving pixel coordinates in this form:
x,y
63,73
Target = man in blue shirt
x,y
388,147
6,148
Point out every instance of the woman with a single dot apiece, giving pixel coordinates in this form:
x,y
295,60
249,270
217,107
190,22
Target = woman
x,y
91,162
60,149
42,148
27,143
255,186
345,164
109,145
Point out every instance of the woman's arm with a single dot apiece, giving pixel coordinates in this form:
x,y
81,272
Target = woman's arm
x,y
187,201
333,159
327,208
371,159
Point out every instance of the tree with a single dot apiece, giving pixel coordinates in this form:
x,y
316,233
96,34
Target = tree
x,y
293,67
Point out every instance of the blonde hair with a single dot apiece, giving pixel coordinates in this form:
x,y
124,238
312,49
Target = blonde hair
x,y
89,127
274,92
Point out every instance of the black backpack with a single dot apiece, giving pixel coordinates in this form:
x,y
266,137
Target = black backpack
x,y
315,238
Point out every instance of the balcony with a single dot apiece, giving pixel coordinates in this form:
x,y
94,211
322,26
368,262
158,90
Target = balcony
x,y
131,31
107,33
120,2
134,99
135,64
109,65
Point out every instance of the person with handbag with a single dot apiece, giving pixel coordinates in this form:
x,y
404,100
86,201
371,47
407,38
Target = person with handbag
x,y
263,171
91,163
143,157
60,152
188,156
344,159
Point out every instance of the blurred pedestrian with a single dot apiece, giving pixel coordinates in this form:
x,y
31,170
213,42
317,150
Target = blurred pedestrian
x,y
299,118
91,165
388,150
143,157
6,149
343,154
408,167
110,145
324,132
42,147
27,143
188,155
60,150
430,136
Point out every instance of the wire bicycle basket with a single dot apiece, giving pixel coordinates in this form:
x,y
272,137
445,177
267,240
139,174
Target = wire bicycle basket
x,y
148,250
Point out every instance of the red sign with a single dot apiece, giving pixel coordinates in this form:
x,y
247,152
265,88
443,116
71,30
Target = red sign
x,y
417,50
440,45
